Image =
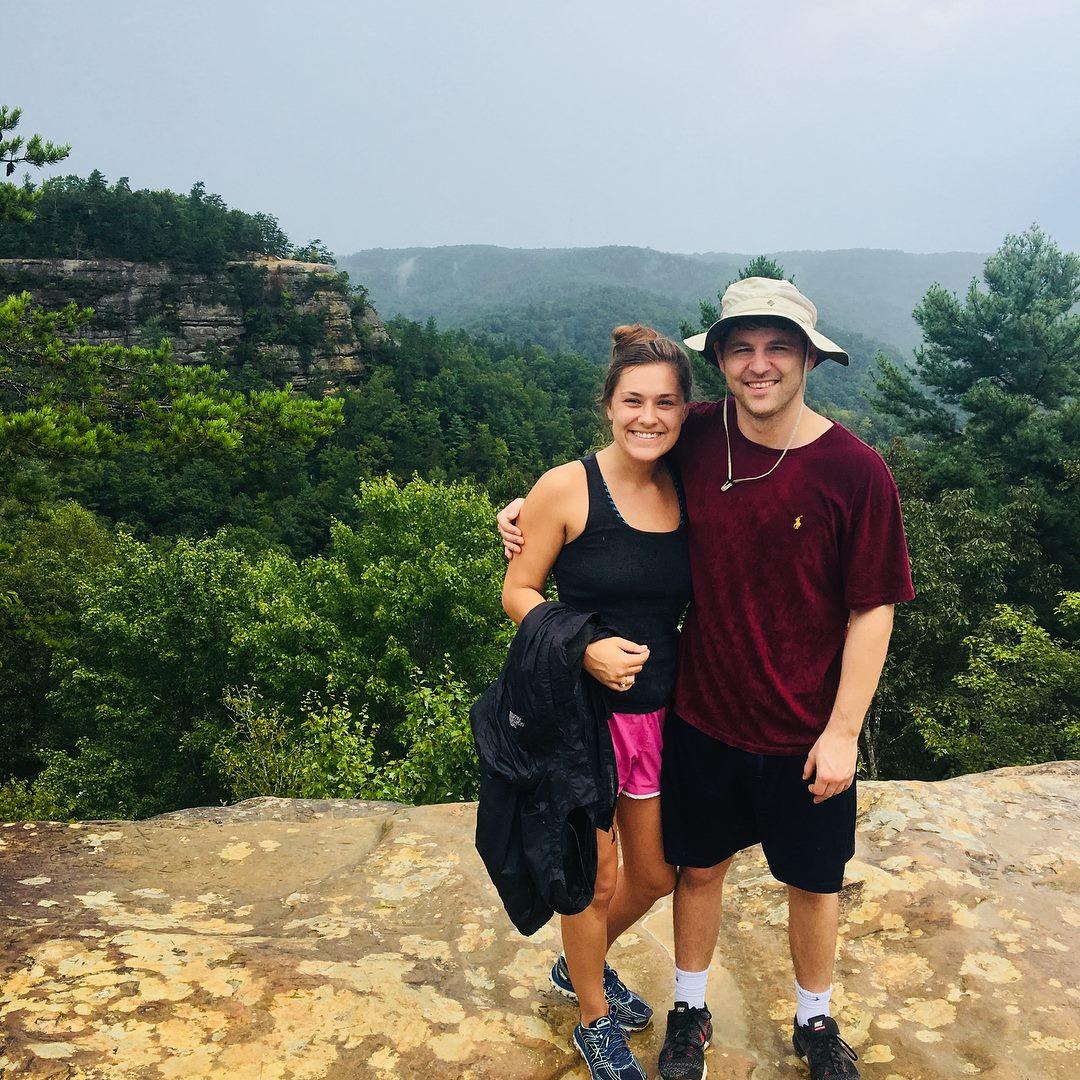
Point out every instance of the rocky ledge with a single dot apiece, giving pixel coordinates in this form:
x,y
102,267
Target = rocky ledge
x,y
291,940
204,314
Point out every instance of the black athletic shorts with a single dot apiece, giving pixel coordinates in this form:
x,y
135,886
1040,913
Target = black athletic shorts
x,y
716,800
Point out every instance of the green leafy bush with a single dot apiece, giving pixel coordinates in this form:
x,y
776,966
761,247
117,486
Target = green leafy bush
x,y
1017,702
325,753
360,664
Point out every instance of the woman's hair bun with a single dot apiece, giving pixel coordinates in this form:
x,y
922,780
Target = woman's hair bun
x,y
623,337
639,344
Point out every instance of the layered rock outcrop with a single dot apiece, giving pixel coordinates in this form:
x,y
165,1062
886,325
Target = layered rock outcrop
x,y
291,940
308,325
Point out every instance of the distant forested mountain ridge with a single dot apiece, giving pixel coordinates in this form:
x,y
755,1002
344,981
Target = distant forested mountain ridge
x,y
450,281
569,299
578,318
869,292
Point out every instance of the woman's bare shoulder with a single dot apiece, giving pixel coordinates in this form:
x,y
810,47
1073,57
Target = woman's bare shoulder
x,y
559,498
560,482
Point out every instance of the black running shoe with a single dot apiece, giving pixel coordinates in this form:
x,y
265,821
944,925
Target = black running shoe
x,y
688,1034
819,1042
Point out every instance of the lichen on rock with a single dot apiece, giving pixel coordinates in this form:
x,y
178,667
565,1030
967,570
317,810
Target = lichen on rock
x,y
302,939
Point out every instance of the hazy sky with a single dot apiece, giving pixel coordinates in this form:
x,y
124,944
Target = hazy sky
x,y
689,125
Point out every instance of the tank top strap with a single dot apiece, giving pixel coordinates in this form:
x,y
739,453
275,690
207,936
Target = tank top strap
x,y
602,509
676,479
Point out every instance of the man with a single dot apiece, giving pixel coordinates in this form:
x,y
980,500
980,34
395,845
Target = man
x,y
798,555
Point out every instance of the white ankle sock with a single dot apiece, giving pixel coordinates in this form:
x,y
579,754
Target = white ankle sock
x,y
690,986
809,1004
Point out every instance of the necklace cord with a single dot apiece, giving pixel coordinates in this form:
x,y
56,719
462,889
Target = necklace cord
x,y
732,480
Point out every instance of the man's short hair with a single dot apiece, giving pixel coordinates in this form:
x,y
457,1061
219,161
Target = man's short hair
x,y
755,322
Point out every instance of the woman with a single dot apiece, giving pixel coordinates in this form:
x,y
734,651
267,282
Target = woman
x,y
612,529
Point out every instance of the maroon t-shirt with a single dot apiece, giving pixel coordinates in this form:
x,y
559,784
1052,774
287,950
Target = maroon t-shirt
x,y
777,564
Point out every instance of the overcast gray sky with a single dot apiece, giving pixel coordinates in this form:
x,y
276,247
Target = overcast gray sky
x,y
689,125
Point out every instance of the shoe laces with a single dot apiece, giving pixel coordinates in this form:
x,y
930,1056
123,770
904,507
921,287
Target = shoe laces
x,y
681,1029
614,987
830,1050
610,1043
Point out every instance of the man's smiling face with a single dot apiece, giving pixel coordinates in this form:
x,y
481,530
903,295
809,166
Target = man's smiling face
x,y
764,368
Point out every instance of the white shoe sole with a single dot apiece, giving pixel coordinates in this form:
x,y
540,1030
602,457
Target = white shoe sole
x,y
568,994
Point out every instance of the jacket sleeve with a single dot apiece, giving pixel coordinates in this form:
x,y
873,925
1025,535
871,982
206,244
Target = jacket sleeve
x,y
500,843
500,753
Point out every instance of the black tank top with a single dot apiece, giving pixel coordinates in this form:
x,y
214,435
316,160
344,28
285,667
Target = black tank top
x,y
638,582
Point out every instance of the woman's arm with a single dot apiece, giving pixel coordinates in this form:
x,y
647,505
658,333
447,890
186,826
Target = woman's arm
x,y
544,514
556,506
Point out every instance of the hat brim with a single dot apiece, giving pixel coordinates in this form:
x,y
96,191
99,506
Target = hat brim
x,y
702,343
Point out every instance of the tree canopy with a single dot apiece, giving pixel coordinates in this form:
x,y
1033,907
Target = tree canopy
x,y
156,514
18,201
992,400
86,217
213,586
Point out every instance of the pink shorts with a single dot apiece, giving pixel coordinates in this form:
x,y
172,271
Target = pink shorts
x,y
638,739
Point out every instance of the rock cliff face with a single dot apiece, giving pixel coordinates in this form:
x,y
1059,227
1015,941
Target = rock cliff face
x,y
297,314
286,940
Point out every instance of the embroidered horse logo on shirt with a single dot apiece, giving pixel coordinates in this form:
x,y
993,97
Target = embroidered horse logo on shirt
x,y
798,522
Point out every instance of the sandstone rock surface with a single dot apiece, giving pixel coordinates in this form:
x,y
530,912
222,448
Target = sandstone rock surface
x,y
293,940
200,311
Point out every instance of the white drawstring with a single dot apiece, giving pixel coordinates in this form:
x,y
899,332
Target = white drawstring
x,y
731,481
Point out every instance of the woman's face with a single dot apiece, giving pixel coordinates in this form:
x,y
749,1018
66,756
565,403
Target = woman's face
x,y
647,410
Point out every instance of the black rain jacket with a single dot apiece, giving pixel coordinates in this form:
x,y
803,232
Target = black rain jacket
x,y
547,768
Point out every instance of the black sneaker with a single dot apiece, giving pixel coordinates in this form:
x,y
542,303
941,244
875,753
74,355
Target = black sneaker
x,y
819,1043
688,1034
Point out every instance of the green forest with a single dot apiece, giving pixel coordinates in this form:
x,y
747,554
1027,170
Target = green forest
x,y
571,297
215,586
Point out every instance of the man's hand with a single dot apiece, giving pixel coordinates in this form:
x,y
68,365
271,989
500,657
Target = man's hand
x,y
615,662
512,537
831,762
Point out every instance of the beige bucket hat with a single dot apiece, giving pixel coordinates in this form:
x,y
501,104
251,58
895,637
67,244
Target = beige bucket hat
x,y
766,296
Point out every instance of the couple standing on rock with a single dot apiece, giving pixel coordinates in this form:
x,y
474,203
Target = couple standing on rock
x,y
744,728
